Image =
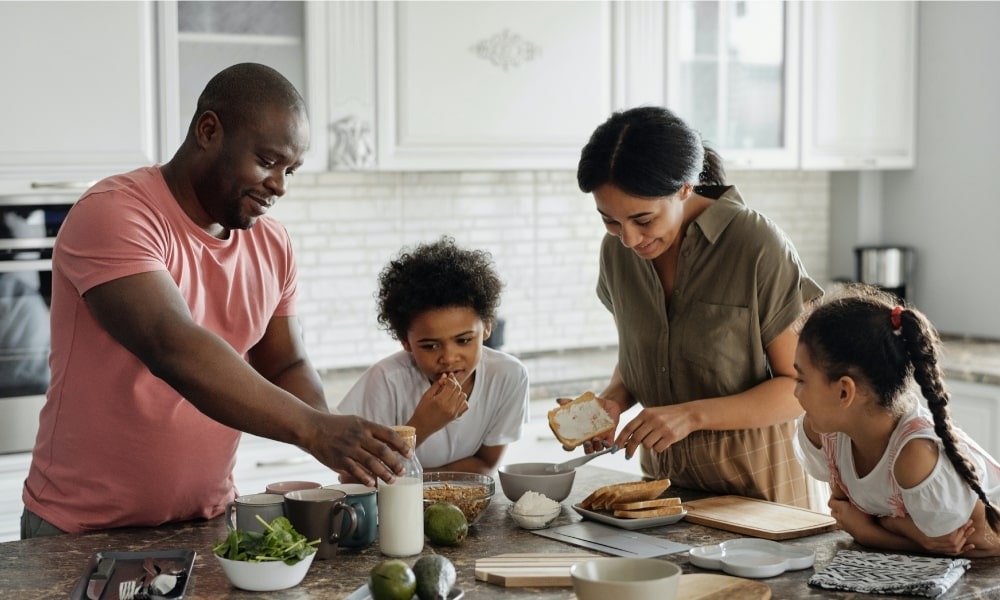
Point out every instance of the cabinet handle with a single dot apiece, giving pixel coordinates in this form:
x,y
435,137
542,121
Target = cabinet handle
x,y
297,460
61,185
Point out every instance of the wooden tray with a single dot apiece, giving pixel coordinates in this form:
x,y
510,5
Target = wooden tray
x,y
530,570
757,518
721,587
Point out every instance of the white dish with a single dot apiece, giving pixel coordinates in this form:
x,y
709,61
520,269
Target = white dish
x,y
751,557
609,519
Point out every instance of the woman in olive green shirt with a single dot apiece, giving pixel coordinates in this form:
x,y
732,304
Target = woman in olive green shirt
x,y
704,292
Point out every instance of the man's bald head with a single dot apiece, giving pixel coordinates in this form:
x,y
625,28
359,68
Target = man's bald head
x,y
237,93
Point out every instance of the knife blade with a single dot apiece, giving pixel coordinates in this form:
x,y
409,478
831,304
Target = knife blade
x,y
99,578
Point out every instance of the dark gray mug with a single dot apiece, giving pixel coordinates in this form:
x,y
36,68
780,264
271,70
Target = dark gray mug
x,y
363,499
321,514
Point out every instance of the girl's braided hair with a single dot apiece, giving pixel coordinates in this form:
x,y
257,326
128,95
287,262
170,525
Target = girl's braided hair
x,y
857,334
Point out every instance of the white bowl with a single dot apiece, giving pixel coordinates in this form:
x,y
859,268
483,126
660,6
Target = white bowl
x,y
625,579
265,576
519,478
751,557
534,521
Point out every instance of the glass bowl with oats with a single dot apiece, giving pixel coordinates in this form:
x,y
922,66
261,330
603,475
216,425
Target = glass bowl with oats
x,y
470,492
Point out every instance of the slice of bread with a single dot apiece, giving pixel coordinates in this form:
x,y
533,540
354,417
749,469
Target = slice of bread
x,y
663,511
644,504
606,497
581,420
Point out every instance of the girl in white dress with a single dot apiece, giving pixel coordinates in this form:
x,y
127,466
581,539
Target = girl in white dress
x,y
902,477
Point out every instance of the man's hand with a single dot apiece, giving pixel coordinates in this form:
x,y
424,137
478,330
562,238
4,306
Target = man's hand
x,y
359,450
441,404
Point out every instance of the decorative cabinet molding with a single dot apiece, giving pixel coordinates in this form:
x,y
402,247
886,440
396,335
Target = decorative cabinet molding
x,y
80,85
858,85
491,85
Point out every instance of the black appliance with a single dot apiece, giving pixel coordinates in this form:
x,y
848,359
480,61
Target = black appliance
x,y
28,227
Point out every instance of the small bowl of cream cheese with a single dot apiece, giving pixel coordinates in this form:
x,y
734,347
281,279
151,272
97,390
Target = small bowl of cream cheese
x,y
534,511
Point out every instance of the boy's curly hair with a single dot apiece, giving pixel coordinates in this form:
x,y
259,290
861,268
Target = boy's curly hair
x,y
436,275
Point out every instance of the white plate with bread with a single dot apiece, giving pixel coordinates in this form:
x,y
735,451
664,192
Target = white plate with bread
x,y
632,505
629,523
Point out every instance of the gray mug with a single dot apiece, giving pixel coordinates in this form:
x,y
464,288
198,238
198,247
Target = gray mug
x,y
268,506
321,514
363,499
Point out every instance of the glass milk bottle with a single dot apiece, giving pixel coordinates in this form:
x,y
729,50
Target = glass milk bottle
x,y
401,505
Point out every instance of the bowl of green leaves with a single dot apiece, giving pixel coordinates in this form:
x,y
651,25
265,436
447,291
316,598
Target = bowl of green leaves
x,y
276,559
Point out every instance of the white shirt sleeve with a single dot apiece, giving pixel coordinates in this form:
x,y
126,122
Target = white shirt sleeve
x,y
943,501
512,412
813,459
370,398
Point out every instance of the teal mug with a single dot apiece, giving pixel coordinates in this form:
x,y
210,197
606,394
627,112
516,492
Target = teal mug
x,y
362,498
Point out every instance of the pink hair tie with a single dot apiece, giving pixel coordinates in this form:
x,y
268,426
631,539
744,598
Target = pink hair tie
x,y
897,323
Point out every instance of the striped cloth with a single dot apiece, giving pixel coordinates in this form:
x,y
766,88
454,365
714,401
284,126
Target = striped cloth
x,y
877,573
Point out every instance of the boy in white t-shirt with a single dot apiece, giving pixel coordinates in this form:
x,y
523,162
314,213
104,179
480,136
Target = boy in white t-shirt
x,y
466,401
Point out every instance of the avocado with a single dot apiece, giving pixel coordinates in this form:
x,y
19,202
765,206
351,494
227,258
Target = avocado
x,y
435,577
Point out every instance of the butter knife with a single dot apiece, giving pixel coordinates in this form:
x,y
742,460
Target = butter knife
x,y
99,578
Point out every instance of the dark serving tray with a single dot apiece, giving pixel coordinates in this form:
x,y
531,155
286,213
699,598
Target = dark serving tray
x,y
128,566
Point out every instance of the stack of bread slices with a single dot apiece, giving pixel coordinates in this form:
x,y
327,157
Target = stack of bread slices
x,y
634,500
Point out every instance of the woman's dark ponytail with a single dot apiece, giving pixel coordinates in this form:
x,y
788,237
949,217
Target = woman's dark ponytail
x,y
712,170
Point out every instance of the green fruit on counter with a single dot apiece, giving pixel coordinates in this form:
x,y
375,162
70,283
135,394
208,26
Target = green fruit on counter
x,y
392,580
435,577
445,524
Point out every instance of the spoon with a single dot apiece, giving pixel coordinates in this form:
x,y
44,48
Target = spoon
x,y
569,465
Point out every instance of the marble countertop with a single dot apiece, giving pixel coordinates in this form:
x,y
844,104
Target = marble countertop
x,y
971,359
51,567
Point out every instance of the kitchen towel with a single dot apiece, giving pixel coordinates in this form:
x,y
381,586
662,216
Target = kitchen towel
x,y
876,573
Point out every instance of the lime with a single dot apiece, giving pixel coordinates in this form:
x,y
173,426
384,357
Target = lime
x,y
435,577
445,524
392,580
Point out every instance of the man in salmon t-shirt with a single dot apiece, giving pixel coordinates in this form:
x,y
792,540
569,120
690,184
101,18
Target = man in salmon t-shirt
x,y
173,329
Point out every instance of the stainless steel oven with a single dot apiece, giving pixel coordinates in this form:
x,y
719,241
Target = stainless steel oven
x,y
28,226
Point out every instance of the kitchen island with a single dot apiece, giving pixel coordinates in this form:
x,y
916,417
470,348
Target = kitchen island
x,y
51,567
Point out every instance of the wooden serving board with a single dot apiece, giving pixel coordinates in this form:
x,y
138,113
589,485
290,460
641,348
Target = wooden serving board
x,y
757,518
721,587
530,570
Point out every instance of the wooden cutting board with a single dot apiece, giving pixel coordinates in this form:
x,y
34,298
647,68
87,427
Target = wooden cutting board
x,y
757,518
530,570
721,587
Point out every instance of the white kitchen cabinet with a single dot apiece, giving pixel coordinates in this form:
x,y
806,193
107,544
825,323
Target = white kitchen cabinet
x,y
858,85
732,74
491,85
975,408
80,90
199,39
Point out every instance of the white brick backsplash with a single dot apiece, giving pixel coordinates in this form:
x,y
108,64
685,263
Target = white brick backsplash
x,y
543,233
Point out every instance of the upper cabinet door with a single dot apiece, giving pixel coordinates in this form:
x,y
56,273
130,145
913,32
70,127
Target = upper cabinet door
x,y
491,85
858,85
732,74
202,38
79,98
